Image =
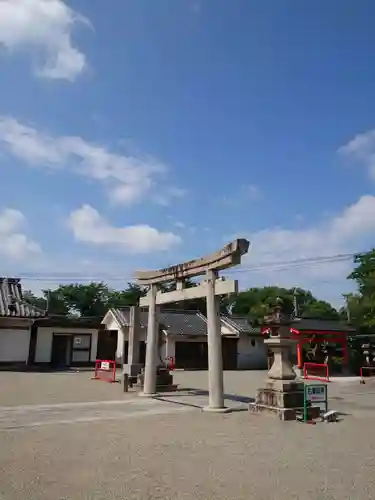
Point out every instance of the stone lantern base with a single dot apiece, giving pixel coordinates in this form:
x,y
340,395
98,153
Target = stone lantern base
x,y
283,399
282,395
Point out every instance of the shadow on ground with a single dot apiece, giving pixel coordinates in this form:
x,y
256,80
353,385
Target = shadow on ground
x,y
187,392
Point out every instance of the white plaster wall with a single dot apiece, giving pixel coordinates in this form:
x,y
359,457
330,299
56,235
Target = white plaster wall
x,y
94,344
123,336
251,357
43,345
110,323
14,345
225,330
45,336
169,348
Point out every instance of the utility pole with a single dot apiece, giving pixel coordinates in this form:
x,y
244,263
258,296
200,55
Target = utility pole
x,y
348,318
48,301
295,303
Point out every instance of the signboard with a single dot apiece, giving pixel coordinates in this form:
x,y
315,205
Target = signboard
x,y
316,393
104,365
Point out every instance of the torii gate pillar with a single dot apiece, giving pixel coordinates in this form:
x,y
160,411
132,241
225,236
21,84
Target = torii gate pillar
x,y
149,388
215,355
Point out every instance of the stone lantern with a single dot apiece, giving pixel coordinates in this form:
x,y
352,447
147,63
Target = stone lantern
x,y
279,343
281,395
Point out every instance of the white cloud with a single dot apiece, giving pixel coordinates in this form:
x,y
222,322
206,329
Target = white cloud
x,y
90,227
170,193
361,149
128,178
43,28
272,249
341,234
15,245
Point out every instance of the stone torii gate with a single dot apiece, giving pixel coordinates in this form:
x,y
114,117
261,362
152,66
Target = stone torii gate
x,y
211,288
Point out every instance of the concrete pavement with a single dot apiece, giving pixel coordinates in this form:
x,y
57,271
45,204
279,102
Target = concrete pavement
x,y
68,437
21,417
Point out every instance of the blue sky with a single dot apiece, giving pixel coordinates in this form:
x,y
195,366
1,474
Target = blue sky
x,y
139,133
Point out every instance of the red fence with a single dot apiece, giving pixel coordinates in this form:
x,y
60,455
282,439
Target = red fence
x,y
316,371
366,372
105,370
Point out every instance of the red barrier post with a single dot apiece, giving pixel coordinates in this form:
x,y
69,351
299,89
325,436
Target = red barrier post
x,y
105,370
170,363
362,371
309,376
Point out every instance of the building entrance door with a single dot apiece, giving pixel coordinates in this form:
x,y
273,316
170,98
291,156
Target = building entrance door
x,y
60,357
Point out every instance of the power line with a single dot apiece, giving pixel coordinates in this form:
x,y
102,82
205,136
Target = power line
x,y
279,266
308,260
275,266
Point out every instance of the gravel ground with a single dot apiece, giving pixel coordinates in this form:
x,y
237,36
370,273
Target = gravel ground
x,y
151,450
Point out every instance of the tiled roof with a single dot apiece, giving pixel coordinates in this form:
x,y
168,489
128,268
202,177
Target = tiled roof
x,y
175,322
323,325
239,323
12,303
122,316
183,322
69,322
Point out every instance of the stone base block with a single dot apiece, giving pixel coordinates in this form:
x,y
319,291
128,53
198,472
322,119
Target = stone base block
x,y
282,413
278,399
285,399
159,388
164,381
285,414
163,377
284,385
133,370
313,412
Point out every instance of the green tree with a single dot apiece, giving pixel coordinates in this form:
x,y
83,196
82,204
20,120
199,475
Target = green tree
x,y
86,300
258,302
56,302
361,305
52,300
187,305
31,298
198,304
128,297
364,273
93,299
320,309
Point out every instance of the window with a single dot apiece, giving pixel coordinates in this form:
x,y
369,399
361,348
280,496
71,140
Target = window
x,y
81,342
81,347
80,356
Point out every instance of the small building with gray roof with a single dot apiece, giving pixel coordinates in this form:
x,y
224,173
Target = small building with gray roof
x,y
183,337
